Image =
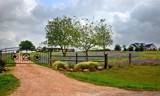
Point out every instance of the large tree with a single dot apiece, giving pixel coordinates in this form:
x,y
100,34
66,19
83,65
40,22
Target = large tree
x,y
85,35
103,32
59,32
26,45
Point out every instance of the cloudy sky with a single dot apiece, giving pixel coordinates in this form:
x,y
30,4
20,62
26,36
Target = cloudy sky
x,y
132,20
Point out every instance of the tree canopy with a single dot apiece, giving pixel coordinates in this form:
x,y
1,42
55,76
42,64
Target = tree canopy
x,y
117,47
103,36
86,36
59,32
26,45
83,34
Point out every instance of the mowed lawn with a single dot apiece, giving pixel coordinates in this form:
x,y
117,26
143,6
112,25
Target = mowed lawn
x,y
8,83
133,77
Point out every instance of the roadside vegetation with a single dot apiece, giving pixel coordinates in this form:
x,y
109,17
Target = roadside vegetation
x,y
10,62
8,83
135,77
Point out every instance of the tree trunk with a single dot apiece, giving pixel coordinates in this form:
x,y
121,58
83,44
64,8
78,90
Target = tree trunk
x,y
104,50
86,55
64,53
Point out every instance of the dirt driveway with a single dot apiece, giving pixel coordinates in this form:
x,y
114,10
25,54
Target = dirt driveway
x,y
41,81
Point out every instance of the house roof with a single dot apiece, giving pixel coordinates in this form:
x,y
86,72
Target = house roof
x,y
142,45
149,45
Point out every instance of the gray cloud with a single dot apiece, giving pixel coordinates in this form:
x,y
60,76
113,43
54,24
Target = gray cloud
x,y
132,20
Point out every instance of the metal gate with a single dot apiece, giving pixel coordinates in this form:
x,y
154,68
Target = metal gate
x,y
15,55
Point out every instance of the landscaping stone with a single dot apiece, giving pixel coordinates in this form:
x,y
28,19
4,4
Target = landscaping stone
x,y
86,70
100,67
61,69
81,70
71,70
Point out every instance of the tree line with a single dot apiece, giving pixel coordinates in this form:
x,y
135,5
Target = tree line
x,y
83,34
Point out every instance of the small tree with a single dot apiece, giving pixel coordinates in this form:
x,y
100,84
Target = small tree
x,y
124,48
141,49
26,45
117,47
85,38
59,32
130,48
44,49
103,32
159,49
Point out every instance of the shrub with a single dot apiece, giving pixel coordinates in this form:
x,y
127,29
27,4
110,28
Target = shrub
x,y
141,48
2,69
92,66
117,47
59,64
82,65
2,63
130,48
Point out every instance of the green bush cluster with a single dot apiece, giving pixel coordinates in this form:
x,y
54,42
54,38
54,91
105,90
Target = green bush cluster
x,y
2,64
92,66
59,64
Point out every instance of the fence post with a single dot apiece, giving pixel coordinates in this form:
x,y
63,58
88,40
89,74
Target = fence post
x,y
106,61
130,58
76,58
50,58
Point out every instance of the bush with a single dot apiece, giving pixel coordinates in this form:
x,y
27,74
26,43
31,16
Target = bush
x,y
141,48
117,47
2,63
130,48
59,64
92,66
2,69
82,65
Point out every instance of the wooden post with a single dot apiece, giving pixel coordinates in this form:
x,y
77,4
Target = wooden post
x,y
130,57
106,61
76,58
50,58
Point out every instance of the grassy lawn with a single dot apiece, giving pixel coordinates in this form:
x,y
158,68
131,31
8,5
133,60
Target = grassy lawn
x,y
7,84
148,55
135,77
10,62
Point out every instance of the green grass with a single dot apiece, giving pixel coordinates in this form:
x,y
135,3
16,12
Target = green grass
x,y
8,83
135,77
10,62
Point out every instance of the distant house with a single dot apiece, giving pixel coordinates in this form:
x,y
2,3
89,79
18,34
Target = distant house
x,y
58,49
39,48
145,46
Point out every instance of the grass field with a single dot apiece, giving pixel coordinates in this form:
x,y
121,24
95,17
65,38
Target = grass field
x,y
8,83
10,61
135,77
